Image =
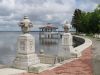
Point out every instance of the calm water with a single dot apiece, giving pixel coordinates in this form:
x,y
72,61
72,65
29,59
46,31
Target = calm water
x,y
8,43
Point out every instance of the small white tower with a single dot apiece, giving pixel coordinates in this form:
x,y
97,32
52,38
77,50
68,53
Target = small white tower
x,y
26,55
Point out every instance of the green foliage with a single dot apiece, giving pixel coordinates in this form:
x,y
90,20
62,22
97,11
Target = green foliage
x,y
76,19
87,22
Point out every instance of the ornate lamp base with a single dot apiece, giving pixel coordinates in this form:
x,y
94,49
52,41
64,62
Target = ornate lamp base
x,y
26,55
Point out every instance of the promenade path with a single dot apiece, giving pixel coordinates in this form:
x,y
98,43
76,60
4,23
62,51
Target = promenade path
x,y
96,56
81,66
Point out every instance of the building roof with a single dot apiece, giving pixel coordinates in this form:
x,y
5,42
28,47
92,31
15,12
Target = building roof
x,y
49,26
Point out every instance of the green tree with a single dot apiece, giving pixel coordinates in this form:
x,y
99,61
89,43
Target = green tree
x,y
76,19
87,22
95,20
84,22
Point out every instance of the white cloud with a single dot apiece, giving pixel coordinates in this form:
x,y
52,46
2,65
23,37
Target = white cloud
x,y
41,11
7,4
87,5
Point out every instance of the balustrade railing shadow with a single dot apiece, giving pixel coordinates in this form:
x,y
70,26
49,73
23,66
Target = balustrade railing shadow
x,y
77,41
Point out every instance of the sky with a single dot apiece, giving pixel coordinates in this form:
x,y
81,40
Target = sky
x,y
40,12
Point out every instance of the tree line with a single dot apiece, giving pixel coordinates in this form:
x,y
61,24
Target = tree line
x,y
86,22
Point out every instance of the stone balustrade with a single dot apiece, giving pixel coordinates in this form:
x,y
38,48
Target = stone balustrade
x,y
86,43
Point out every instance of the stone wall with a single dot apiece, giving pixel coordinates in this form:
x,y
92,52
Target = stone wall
x,y
81,44
84,43
46,59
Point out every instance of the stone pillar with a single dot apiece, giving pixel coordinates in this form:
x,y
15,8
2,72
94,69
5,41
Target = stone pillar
x,y
26,55
67,44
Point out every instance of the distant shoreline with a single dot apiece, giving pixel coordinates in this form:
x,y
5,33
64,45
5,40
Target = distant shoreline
x,y
30,31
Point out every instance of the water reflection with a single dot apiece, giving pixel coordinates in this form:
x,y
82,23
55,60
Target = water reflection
x,y
49,42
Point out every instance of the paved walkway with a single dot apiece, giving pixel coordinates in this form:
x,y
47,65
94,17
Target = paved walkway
x,y
81,66
96,56
10,71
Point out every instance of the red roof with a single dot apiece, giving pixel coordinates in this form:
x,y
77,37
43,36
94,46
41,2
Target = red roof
x,y
49,26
